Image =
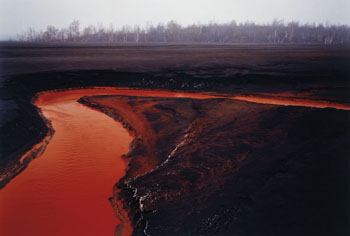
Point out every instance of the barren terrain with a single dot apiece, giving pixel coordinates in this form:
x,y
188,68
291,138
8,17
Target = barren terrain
x,y
203,167
226,167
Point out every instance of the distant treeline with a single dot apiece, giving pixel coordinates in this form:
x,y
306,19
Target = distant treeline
x,y
275,32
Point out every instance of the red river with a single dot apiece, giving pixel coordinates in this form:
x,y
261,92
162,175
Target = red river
x,y
65,190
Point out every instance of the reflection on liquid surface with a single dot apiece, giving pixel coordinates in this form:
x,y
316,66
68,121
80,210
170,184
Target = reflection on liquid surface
x,y
65,191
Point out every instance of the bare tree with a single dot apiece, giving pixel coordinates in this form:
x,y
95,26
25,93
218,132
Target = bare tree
x,y
51,33
277,32
73,31
137,33
173,31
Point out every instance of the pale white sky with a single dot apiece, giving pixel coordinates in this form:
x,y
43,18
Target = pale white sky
x,y
17,15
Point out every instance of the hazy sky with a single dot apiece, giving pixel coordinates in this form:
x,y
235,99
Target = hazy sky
x,y
17,15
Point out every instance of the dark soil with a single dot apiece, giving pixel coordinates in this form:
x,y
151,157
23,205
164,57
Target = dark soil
x,y
275,170
28,68
226,167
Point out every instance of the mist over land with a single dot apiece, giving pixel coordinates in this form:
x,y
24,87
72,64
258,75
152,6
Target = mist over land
x,y
16,16
238,120
172,32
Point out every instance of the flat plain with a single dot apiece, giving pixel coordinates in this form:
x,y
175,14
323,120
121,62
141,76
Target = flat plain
x,y
239,168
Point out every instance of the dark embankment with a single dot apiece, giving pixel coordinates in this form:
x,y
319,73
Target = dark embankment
x,y
228,167
66,190
312,71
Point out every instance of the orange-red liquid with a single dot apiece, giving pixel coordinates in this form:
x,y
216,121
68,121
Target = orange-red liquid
x,y
65,191
286,101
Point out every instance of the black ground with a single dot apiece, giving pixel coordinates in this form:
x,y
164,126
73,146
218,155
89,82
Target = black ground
x,y
318,71
239,168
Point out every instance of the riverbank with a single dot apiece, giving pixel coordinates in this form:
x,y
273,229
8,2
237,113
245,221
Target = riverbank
x,y
65,189
305,72
205,174
318,71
